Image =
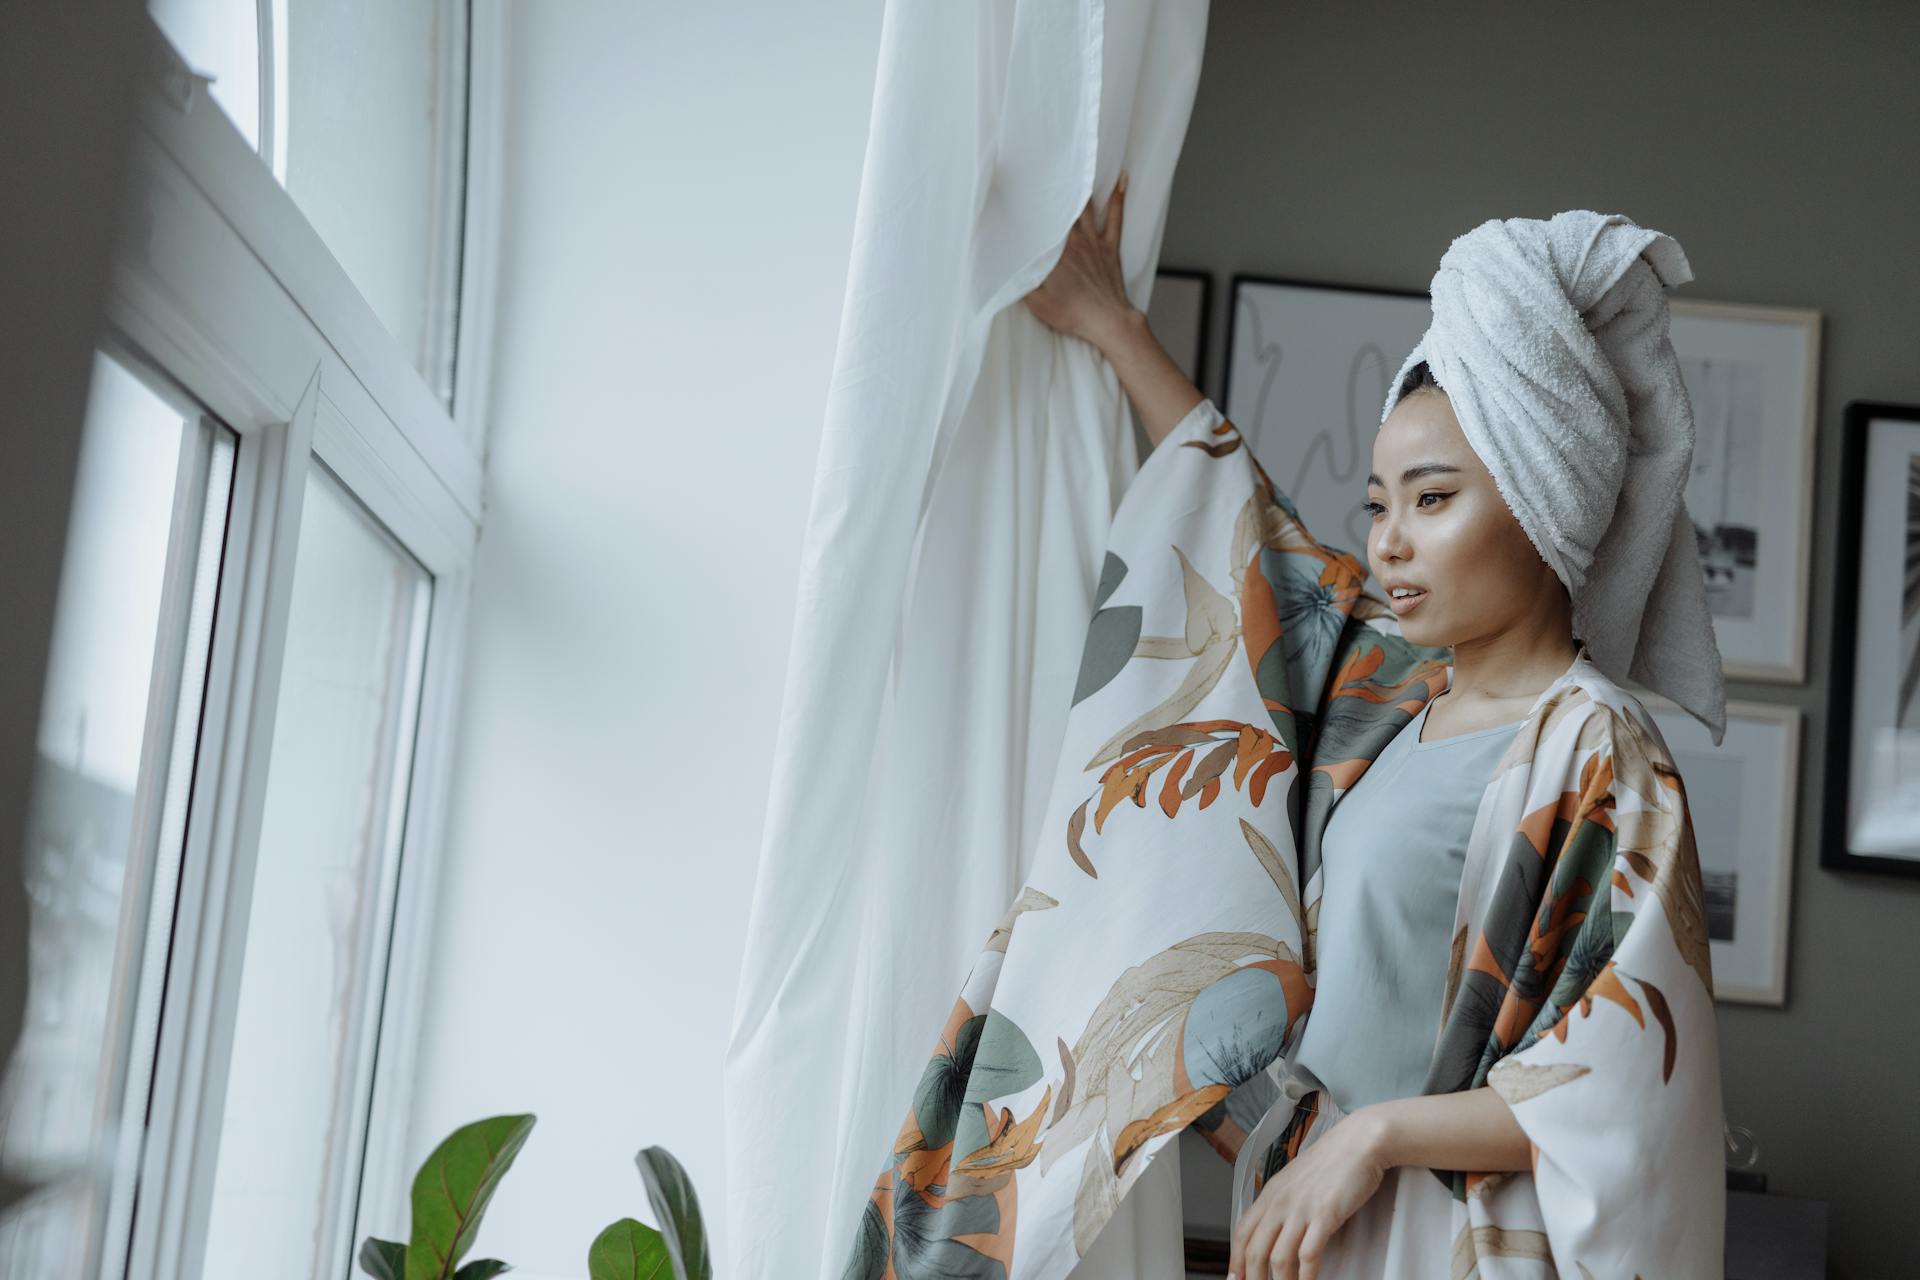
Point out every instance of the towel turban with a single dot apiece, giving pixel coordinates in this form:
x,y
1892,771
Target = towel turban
x,y
1550,340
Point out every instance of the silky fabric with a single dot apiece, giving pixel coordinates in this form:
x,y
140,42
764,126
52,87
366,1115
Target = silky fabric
x,y
970,463
1392,855
1153,971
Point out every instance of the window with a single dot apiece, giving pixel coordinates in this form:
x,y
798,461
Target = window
x,y
304,1036
358,108
118,727
245,726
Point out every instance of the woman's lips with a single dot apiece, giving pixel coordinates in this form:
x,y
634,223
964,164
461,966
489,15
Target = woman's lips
x,y
1403,605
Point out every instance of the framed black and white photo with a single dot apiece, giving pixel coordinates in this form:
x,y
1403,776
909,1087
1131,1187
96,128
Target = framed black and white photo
x,y
1752,375
1307,371
1872,819
1741,798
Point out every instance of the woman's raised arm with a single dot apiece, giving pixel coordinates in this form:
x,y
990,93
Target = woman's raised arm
x,y
1085,296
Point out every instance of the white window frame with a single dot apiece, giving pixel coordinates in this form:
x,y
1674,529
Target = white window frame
x,y
223,289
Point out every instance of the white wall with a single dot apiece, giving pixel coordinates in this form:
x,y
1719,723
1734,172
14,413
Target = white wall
x,y
681,187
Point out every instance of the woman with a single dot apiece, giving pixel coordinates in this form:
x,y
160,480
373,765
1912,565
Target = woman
x,y
1462,574
1511,1070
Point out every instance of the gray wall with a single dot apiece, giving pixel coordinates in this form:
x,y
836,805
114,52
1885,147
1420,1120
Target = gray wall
x,y
1780,145
67,73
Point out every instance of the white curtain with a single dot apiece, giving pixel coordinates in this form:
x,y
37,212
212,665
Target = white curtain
x,y
970,464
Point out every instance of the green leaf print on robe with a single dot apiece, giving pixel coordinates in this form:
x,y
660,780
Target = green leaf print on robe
x,y
1575,912
1112,635
1312,597
1332,684
1004,1064
923,1243
1235,1027
943,1085
1548,934
990,1058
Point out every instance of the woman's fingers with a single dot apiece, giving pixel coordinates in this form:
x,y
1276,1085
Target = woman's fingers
x,y
1259,1247
1312,1245
1286,1251
1240,1245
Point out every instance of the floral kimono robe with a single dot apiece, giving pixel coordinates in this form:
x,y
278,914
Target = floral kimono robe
x,y
1156,970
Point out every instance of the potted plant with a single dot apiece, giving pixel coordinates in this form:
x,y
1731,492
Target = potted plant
x,y
454,1185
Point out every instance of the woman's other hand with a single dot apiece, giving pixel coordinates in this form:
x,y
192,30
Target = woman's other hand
x,y
1284,1232
1085,294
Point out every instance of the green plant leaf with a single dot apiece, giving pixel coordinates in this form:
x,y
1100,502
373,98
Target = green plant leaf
x,y
383,1259
481,1269
677,1210
629,1250
452,1189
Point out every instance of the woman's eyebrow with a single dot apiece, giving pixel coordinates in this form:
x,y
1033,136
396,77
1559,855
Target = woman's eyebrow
x,y
1419,469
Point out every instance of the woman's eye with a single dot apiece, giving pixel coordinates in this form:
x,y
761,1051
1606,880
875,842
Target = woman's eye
x,y
1372,508
1431,493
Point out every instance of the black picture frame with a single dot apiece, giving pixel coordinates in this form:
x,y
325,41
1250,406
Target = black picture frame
x,y
1240,278
1857,420
1307,365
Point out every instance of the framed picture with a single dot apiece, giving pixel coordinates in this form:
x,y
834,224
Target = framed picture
x,y
1742,799
1752,374
1307,369
1872,819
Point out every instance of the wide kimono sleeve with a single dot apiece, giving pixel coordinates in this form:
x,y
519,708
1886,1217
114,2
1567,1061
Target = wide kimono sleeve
x,y
1157,960
1582,993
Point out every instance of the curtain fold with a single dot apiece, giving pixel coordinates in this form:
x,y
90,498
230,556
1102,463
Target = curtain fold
x,y
970,464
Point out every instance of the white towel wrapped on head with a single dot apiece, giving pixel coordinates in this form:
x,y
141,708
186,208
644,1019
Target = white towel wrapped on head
x,y
1550,340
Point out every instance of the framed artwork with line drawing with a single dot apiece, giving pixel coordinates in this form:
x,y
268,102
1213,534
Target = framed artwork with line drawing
x,y
1741,796
1307,369
1872,818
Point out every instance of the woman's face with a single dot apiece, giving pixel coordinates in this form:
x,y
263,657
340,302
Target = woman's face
x,y
1440,524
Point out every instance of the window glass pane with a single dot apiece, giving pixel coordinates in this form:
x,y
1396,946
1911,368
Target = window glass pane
x,y
363,125
299,1082
118,727
220,38
357,106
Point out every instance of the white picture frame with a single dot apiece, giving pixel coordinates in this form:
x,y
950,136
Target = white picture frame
x,y
1752,375
1742,797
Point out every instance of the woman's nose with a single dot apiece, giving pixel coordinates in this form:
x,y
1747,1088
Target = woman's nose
x,y
1389,538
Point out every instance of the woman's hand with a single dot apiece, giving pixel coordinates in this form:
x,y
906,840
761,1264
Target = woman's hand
x,y
1085,294
1284,1231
